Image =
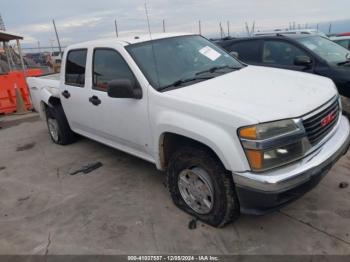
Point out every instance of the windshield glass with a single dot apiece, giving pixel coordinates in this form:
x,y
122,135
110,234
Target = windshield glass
x,y
168,60
325,48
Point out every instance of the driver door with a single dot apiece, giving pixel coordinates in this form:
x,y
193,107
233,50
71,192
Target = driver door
x,y
281,54
120,122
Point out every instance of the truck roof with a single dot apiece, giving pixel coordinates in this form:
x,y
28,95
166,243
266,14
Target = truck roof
x,y
139,38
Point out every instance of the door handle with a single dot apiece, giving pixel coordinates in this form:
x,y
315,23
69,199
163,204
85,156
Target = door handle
x,y
94,100
66,94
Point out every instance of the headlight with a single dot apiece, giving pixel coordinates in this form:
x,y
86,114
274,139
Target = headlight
x,y
274,144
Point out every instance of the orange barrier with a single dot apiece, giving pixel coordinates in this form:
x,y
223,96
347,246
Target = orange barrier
x,y
8,93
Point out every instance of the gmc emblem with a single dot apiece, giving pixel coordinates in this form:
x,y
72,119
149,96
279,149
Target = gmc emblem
x,y
328,119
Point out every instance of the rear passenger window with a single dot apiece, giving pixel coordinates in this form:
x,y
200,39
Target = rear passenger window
x,y
75,67
109,65
280,53
248,51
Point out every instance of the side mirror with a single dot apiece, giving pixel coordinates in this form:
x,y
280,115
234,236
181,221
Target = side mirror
x,y
123,88
234,54
302,61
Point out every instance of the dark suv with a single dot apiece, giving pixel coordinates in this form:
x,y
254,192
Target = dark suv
x,y
301,52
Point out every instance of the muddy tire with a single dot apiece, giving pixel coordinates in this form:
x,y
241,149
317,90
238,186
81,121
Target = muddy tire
x,y
58,126
200,185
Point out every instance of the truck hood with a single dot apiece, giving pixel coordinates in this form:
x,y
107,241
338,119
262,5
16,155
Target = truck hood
x,y
261,93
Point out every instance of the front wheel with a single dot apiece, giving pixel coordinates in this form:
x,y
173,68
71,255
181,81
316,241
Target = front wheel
x,y
58,126
200,185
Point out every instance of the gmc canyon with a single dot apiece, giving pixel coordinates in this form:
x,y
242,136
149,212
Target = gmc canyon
x,y
233,138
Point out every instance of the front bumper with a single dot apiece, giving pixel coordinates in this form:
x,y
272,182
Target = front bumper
x,y
261,193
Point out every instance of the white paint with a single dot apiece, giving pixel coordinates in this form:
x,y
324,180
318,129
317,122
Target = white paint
x,y
209,112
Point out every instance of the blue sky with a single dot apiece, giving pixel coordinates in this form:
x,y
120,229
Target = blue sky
x,y
80,20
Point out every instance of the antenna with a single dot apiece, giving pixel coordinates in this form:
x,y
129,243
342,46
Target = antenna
x,y
150,36
149,27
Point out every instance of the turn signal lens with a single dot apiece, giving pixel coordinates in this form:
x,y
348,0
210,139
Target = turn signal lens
x,y
255,159
248,132
273,144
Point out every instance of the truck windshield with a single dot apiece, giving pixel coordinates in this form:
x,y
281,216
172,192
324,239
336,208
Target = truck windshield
x,y
326,49
181,60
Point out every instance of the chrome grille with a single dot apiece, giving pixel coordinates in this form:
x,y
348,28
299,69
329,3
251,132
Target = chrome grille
x,y
315,126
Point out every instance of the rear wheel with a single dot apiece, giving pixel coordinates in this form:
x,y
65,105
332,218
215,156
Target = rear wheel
x,y
200,185
58,126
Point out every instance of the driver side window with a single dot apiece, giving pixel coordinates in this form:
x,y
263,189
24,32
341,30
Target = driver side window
x,y
109,65
280,53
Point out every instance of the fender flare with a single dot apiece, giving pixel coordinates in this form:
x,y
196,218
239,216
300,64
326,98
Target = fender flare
x,y
224,144
46,95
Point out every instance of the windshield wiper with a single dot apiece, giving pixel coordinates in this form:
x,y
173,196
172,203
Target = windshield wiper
x,y
184,81
344,62
216,68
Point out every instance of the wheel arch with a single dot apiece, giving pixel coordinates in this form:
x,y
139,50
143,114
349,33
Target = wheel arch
x,y
169,142
50,102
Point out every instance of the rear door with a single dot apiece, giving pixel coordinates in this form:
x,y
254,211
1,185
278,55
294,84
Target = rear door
x,y
74,91
281,54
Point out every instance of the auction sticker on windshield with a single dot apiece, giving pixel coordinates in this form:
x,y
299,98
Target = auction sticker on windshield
x,y
209,53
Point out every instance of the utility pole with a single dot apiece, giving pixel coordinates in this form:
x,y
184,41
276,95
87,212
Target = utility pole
x,y
116,28
58,39
39,49
2,24
228,28
247,28
163,26
221,31
253,28
200,27
330,28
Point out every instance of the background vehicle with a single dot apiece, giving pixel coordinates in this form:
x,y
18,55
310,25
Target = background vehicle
x,y
344,41
290,32
38,58
56,57
300,52
184,104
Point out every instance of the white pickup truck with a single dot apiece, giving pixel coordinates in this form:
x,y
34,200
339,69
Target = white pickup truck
x,y
233,138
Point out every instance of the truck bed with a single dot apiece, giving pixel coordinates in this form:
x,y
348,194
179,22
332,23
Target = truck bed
x,y
55,76
40,85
